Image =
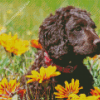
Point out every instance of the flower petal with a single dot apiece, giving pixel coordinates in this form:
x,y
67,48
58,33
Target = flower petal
x,y
31,80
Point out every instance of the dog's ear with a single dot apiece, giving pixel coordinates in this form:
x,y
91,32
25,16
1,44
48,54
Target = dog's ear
x,y
52,34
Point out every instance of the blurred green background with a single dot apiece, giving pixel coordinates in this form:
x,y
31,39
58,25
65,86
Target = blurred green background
x,y
24,18
26,23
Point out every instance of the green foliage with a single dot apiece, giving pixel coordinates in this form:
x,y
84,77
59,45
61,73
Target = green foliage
x,y
94,68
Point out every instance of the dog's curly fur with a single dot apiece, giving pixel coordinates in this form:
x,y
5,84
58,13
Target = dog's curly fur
x,y
68,37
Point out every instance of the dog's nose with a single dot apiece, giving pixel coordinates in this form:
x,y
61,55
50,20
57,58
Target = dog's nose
x,y
96,42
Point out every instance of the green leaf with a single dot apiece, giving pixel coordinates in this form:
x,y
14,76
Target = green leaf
x,y
95,65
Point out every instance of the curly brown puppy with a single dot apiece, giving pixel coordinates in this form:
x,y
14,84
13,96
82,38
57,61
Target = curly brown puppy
x,y
68,37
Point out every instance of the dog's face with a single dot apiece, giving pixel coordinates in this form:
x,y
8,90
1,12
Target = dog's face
x,y
82,36
69,32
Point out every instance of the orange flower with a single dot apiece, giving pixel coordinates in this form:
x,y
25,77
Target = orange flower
x,y
93,58
5,97
95,91
45,74
73,87
36,44
8,89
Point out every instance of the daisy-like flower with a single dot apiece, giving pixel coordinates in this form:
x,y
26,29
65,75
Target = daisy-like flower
x,y
8,89
82,97
95,91
70,88
14,45
45,74
36,44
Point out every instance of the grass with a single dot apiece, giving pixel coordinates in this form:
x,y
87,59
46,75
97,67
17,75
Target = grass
x,y
26,24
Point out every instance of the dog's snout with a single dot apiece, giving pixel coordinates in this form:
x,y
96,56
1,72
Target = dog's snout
x,y
96,42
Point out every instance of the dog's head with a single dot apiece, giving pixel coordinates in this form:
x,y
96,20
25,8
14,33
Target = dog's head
x,y
70,31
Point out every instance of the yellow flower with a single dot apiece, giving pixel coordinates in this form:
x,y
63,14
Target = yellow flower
x,y
14,45
35,76
45,74
95,91
36,44
82,97
70,88
21,47
8,89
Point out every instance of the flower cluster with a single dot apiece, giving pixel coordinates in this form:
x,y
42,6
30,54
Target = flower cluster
x,y
70,92
71,89
14,45
8,89
45,74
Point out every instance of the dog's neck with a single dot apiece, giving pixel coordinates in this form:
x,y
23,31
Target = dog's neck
x,y
69,63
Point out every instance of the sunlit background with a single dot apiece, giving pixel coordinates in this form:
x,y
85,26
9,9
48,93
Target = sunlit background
x,y
26,23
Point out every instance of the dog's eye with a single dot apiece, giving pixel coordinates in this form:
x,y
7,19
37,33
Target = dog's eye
x,y
78,28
